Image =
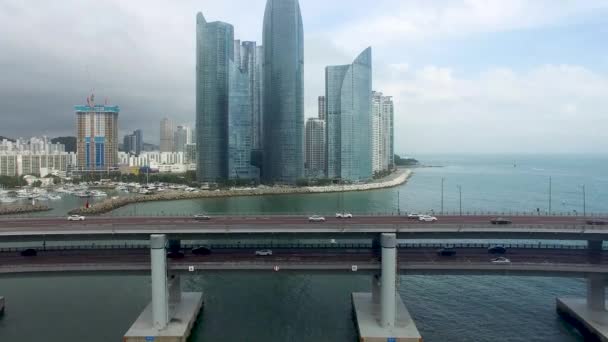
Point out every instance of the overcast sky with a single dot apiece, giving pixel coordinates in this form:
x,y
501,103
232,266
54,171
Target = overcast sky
x,y
477,76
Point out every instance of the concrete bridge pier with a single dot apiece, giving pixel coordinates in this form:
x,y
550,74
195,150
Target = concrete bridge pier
x,y
381,314
588,315
171,314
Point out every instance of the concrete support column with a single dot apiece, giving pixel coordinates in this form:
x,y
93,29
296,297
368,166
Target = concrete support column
x,y
376,289
160,297
388,289
596,294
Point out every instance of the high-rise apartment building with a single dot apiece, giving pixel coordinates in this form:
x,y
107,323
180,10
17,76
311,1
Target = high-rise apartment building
x,y
167,135
322,108
315,148
214,53
181,138
382,113
283,122
133,143
96,135
349,121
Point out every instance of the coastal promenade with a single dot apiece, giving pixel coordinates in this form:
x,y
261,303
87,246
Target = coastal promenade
x,y
395,179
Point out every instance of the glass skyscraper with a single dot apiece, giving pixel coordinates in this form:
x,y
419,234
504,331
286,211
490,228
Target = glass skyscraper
x,y
241,112
283,121
214,54
348,92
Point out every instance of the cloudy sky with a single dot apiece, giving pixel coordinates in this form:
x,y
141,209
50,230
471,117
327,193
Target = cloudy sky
x,y
479,76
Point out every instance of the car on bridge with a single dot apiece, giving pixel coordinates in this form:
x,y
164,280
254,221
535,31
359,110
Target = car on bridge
x,y
500,220
202,217
201,250
501,260
413,216
175,255
30,252
497,250
596,222
75,218
446,252
263,252
427,218
316,218
344,215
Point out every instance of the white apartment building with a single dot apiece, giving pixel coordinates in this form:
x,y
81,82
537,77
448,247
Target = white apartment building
x,y
164,162
382,136
35,156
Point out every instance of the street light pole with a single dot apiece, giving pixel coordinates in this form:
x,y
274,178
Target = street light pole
x,y
442,181
460,198
584,201
550,193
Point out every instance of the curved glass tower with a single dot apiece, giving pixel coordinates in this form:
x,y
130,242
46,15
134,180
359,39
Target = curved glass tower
x,y
283,123
348,92
214,55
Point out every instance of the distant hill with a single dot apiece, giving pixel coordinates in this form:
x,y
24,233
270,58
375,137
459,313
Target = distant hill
x,y
69,142
9,139
405,161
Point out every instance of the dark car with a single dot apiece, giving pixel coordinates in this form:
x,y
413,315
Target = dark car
x,y
29,252
501,220
497,250
446,252
597,222
201,251
175,255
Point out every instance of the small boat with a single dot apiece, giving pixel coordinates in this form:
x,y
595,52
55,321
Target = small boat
x,y
7,200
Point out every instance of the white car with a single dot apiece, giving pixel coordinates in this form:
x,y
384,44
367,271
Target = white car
x,y
202,217
344,215
263,252
427,218
413,216
75,218
316,218
501,260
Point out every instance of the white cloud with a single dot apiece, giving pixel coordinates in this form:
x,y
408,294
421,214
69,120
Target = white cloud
x,y
551,108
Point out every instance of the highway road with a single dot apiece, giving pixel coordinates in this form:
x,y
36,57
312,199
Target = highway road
x,y
466,259
447,227
52,223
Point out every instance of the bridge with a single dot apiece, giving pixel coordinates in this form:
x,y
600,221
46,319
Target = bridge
x,y
181,228
380,314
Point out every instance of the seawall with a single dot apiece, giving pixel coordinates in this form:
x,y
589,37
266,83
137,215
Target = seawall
x,y
395,179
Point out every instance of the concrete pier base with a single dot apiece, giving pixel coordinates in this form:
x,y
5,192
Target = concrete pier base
x,y
183,317
1,305
367,314
592,324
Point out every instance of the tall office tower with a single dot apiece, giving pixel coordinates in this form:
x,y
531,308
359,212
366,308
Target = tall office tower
x,y
214,52
166,136
315,148
97,135
139,137
348,94
181,138
322,108
258,116
283,92
240,133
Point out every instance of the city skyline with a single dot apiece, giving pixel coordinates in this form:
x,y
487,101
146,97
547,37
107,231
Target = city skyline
x,y
433,68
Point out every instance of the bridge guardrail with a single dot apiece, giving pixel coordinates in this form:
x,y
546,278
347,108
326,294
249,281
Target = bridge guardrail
x,y
298,246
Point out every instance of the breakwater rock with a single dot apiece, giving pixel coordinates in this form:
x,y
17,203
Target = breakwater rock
x,y
397,178
22,209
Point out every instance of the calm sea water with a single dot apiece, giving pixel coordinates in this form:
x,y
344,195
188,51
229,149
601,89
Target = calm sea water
x,y
311,307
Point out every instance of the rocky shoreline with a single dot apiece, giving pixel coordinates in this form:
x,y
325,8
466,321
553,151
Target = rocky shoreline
x,y
23,209
397,178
